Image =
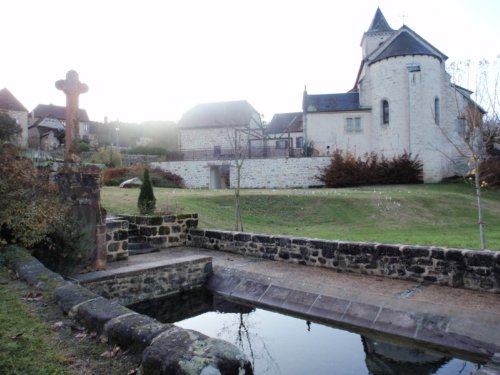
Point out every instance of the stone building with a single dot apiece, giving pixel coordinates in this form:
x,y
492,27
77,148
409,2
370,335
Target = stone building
x,y
402,101
13,107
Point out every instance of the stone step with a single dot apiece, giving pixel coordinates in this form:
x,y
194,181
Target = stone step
x,y
136,239
138,245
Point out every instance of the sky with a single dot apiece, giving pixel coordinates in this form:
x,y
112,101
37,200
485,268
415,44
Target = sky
x,y
155,59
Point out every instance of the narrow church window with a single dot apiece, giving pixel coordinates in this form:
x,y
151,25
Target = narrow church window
x,y
217,151
299,142
385,112
282,144
436,111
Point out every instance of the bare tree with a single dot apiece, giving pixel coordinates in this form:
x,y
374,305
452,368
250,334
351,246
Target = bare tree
x,y
240,140
480,126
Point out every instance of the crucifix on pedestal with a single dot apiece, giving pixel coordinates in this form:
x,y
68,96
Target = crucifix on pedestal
x,y
72,87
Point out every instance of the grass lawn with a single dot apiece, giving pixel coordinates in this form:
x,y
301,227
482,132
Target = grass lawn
x,y
24,348
434,214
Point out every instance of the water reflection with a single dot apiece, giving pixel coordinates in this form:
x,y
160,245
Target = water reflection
x,y
280,344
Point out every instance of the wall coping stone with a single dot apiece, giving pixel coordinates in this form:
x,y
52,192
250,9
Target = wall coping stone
x,y
102,315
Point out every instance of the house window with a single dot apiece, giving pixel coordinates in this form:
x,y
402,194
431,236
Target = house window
x,y
436,111
385,112
353,125
282,143
217,151
299,142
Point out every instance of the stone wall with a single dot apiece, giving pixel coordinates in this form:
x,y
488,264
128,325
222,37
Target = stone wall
x,y
162,231
470,269
116,239
255,173
132,284
79,185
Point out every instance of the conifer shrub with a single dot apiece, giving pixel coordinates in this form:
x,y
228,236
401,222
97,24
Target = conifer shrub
x,y
345,169
147,200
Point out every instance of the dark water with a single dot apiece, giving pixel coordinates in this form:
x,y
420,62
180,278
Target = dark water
x,y
281,344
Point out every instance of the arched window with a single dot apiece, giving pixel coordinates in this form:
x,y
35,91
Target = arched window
x,y
385,112
436,111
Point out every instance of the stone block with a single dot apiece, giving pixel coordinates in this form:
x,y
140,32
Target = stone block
x,y
480,259
134,331
275,296
299,301
95,313
329,307
70,295
148,231
169,219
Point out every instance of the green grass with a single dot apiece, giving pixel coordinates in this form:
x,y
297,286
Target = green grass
x,y
437,214
23,345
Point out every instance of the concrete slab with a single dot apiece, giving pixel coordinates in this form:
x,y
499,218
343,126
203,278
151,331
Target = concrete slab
x,y
462,320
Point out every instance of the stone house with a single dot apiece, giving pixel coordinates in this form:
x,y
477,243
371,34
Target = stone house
x,y
47,120
402,101
285,134
13,107
218,132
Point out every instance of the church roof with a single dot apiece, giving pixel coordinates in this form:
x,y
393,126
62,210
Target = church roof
x,y
220,114
9,102
379,23
57,112
406,42
332,102
285,122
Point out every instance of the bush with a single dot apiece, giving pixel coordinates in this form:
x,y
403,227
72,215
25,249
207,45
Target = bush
x,y
30,206
346,170
147,150
110,157
147,200
490,172
159,177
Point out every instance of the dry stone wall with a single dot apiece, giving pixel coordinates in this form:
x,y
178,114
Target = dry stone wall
x,y
116,239
469,269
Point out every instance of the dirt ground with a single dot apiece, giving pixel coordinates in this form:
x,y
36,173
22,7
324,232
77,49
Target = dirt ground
x,y
81,352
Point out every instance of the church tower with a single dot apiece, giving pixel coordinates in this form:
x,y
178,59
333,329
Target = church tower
x,y
378,32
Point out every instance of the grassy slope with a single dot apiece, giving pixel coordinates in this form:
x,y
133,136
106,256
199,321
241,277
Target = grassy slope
x,y
24,348
442,214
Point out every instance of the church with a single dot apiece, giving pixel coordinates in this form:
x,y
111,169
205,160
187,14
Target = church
x,y
403,100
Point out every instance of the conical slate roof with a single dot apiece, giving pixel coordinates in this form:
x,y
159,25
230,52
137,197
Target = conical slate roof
x,y
379,23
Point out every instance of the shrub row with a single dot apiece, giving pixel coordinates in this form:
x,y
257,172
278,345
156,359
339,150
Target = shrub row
x,y
159,177
345,169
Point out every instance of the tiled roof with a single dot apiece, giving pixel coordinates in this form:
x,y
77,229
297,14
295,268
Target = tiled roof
x,y
332,102
379,23
285,122
407,43
220,114
9,102
56,111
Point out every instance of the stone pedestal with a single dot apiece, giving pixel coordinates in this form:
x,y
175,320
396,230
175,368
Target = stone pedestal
x,y
79,185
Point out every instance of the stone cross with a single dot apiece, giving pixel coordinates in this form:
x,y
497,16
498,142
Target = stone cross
x,y
72,87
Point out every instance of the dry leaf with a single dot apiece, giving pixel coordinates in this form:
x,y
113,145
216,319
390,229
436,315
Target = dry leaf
x,y
134,371
57,325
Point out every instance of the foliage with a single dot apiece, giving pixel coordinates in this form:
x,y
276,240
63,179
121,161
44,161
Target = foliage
x,y
63,248
30,206
345,169
147,200
489,171
159,177
308,148
84,146
108,156
147,150
9,128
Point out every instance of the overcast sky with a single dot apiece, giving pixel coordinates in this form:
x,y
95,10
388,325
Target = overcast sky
x,y
153,60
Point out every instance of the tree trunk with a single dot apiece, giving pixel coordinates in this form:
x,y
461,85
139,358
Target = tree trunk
x,y
477,182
